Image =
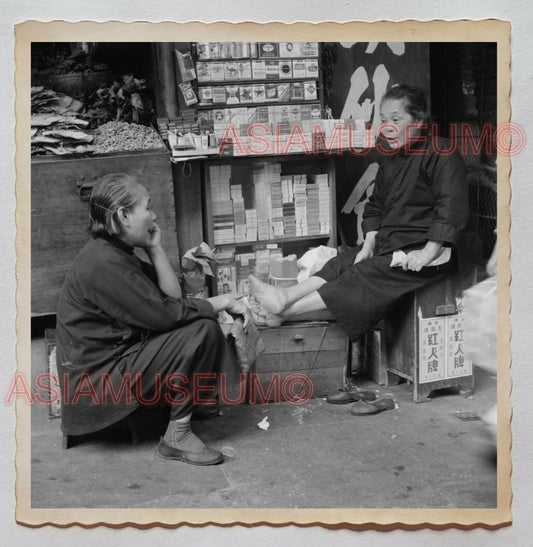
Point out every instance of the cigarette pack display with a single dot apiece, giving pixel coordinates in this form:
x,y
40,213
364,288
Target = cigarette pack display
x,y
185,66
232,94
311,68
305,112
262,114
226,279
268,49
272,69
231,70
219,94
245,93
310,91
214,50
295,113
284,92
225,50
315,112
241,50
203,72
297,91
205,120
205,95
202,50
189,96
308,49
287,49
258,70
285,69
253,50
258,93
298,68
218,71
271,92
244,70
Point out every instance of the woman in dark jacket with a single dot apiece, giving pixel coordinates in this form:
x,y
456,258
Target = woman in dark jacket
x,y
419,206
125,335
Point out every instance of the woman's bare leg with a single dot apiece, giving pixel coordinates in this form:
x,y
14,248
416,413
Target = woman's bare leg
x,y
278,299
309,303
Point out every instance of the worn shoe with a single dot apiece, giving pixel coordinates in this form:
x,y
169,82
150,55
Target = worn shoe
x,y
362,408
342,396
207,456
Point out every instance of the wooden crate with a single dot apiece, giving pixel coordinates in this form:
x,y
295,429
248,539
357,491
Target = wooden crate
x,y
59,217
404,334
317,350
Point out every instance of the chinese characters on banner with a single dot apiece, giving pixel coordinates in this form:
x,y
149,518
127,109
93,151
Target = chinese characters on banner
x,y
441,349
457,364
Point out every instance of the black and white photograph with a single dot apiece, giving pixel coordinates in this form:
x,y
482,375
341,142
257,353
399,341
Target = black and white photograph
x,y
268,279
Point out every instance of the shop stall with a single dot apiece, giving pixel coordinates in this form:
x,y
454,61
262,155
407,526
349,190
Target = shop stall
x,y
254,148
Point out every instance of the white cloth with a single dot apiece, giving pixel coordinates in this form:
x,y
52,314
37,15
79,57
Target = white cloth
x,y
444,256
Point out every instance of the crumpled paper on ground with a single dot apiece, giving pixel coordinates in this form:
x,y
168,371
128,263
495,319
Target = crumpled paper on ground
x,y
444,256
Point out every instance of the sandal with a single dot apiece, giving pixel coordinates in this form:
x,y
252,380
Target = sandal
x,y
362,408
343,396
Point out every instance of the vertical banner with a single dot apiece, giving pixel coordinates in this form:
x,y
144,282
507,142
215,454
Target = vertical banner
x,y
432,349
457,364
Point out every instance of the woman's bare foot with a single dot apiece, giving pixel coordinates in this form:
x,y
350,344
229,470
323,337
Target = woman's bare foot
x,y
261,316
273,299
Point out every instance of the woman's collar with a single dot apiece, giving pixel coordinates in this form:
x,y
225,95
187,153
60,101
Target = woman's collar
x,y
117,242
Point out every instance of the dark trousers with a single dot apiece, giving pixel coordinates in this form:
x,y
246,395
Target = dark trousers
x,y
178,368
358,295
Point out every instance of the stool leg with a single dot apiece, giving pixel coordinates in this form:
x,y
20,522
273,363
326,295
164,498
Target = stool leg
x,y
66,441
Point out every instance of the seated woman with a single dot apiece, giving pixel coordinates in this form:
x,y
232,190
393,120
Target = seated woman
x,y
419,205
125,334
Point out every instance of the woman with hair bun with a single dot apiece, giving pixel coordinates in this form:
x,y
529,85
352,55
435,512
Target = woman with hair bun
x,y
126,336
419,206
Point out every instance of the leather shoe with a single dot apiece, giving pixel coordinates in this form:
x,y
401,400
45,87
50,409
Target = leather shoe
x,y
342,397
362,408
208,456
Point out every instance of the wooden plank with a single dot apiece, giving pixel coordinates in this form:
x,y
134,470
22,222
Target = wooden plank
x,y
59,219
188,204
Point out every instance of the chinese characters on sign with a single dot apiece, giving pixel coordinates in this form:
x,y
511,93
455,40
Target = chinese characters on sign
x,y
457,364
441,349
432,365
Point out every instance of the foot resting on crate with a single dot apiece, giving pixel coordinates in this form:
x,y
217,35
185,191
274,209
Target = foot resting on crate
x,y
273,299
261,316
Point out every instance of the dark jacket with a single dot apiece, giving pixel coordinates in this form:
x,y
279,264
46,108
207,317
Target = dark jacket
x,y
108,306
419,195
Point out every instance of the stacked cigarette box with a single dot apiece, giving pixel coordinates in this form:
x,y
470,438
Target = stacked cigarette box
x,y
324,202
222,205
300,204
279,207
313,209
